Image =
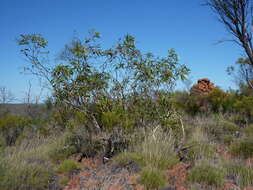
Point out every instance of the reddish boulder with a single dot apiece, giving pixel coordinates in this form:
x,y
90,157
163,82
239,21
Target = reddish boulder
x,y
204,86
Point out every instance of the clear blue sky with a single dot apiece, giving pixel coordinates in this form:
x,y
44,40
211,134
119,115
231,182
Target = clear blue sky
x,y
158,25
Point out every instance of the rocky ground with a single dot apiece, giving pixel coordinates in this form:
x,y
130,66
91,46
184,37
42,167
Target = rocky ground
x,y
98,176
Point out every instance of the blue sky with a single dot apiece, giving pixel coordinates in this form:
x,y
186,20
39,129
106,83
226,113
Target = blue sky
x,y
158,25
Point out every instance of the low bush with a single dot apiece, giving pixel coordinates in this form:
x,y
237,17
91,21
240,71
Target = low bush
x,y
242,148
243,174
27,166
11,127
110,119
2,143
64,180
248,131
228,139
125,158
207,175
155,150
68,166
201,151
61,153
219,130
239,119
198,146
24,176
229,127
33,177
152,179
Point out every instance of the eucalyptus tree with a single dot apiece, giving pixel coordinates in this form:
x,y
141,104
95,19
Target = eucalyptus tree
x,y
85,71
237,17
242,74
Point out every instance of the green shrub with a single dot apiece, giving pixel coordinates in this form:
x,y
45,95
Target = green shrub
x,y
243,174
157,149
174,125
2,143
217,100
110,119
80,141
68,166
201,150
126,157
214,131
229,127
152,179
26,177
218,130
244,105
248,131
64,180
61,148
75,141
239,119
26,166
118,117
3,168
242,148
228,139
60,154
207,175
11,127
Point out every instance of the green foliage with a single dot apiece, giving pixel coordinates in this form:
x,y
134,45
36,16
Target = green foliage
x,y
242,148
172,124
68,166
111,119
23,169
245,105
124,158
243,75
155,150
200,150
11,127
217,101
248,131
26,177
239,119
61,154
75,141
219,130
64,180
229,127
207,175
228,139
152,179
2,143
49,103
88,72
243,174
35,39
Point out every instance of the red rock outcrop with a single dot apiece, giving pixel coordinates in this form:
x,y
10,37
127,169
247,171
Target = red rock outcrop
x,y
204,86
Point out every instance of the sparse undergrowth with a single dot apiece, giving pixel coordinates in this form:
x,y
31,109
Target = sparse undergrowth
x,y
68,166
152,178
207,175
242,148
39,158
242,174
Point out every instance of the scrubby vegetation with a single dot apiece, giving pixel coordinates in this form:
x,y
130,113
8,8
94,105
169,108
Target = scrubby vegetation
x,y
118,105
207,175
